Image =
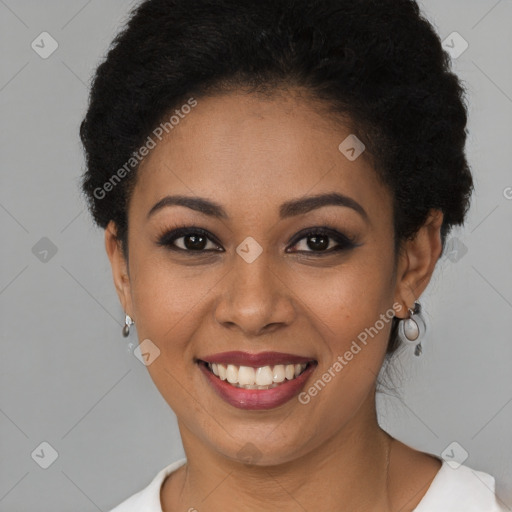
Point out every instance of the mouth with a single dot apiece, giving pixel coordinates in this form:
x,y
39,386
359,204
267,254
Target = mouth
x,y
262,377
256,381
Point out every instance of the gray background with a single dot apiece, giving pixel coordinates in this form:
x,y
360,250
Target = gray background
x,y
67,376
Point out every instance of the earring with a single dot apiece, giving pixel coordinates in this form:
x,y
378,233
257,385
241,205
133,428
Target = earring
x,y
411,330
126,327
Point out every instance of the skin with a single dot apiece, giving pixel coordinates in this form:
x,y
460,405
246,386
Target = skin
x,y
250,154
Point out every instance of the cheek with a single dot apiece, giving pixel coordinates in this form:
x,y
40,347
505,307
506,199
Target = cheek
x,y
353,325
352,312
346,301
166,304
166,298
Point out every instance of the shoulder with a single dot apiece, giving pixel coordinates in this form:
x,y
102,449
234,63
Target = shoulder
x,y
460,489
148,499
452,487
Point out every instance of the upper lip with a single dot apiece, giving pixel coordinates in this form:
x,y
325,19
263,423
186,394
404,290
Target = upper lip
x,y
255,360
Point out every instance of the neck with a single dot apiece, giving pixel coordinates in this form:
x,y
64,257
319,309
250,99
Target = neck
x,y
346,473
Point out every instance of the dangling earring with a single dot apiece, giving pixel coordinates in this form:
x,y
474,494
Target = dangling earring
x,y
126,327
411,330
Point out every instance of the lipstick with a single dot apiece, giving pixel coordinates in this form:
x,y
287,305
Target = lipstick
x,y
278,391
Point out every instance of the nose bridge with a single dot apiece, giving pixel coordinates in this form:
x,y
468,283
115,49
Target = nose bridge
x,y
254,297
254,276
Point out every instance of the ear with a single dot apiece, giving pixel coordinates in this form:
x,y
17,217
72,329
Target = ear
x,y
417,260
119,266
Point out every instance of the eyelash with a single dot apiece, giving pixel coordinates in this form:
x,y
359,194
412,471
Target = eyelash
x,y
344,242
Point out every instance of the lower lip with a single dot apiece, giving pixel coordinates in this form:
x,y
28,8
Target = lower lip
x,y
258,399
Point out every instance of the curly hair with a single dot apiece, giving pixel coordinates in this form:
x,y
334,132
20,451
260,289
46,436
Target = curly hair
x,y
378,63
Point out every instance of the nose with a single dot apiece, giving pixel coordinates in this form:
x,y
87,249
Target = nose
x,y
255,298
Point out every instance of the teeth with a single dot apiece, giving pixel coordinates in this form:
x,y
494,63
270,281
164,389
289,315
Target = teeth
x,y
246,376
278,375
232,374
265,377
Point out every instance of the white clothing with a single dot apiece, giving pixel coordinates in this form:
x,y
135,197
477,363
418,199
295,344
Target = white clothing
x,y
452,490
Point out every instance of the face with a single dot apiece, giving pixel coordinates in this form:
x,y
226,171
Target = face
x,y
264,278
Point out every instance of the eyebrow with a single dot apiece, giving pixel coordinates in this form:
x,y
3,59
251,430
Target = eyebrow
x,y
286,210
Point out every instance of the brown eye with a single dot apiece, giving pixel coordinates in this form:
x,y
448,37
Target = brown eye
x,y
322,240
318,242
188,239
193,242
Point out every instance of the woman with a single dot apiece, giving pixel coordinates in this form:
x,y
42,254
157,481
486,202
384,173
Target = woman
x,y
276,181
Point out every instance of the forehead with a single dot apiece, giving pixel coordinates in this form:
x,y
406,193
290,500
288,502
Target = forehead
x,y
250,152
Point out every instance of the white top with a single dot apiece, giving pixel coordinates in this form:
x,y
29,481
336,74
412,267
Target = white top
x,y
452,490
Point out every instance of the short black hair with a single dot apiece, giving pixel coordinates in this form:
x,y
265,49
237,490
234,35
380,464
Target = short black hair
x,y
380,63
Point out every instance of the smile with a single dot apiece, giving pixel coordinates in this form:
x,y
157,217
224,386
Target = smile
x,y
263,377
256,381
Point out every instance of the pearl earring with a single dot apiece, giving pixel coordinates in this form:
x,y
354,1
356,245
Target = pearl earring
x,y
411,330
126,327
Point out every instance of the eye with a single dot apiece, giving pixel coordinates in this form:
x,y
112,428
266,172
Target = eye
x,y
189,239
322,240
